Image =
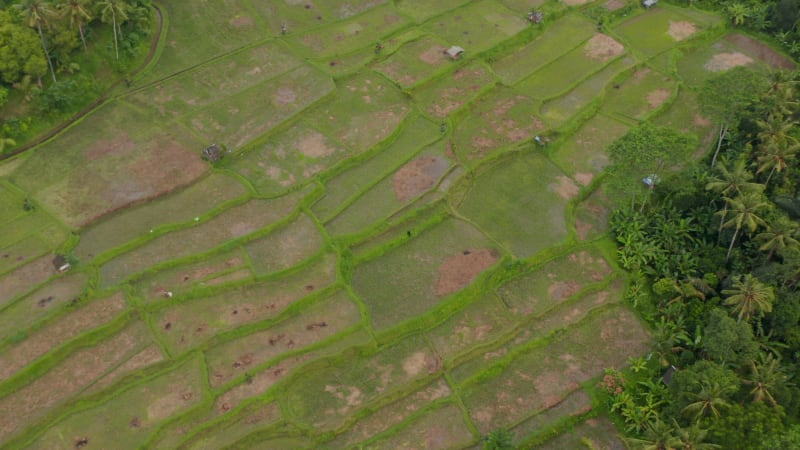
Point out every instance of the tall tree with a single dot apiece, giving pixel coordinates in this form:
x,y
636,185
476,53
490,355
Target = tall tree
x,y
78,14
21,54
779,236
693,438
117,12
709,401
745,209
776,158
766,374
38,14
734,178
749,297
725,97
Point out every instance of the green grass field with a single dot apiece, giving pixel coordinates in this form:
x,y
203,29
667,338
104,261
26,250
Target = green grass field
x,y
384,257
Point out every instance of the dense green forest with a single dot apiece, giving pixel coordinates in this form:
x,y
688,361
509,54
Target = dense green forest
x,y
713,248
56,56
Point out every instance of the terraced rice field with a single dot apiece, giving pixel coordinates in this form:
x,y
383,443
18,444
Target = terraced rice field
x,y
398,250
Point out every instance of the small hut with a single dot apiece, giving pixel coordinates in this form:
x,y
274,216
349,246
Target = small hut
x,y
213,153
649,3
454,52
535,17
60,263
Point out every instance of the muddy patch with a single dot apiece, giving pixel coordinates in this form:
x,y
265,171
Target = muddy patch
x,y
315,146
602,48
701,121
458,271
121,145
561,290
680,30
284,96
565,187
613,5
433,55
725,61
576,2
418,176
584,178
761,51
658,97
241,21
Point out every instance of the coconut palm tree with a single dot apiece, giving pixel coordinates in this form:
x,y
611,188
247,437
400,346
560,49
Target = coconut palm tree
x,y
78,13
776,158
778,237
765,376
709,401
117,12
692,437
733,179
38,14
739,12
657,436
749,297
745,209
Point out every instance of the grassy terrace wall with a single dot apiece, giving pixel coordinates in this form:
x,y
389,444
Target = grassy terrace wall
x,y
398,250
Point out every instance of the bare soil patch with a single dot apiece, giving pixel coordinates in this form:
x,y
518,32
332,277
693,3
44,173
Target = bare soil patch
x,y
584,178
285,96
681,29
658,97
602,47
701,121
728,60
458,271
121,144
561,290
576,2
419,362
433,55
315,146
565,188
242,21
613,5
418,176
761,51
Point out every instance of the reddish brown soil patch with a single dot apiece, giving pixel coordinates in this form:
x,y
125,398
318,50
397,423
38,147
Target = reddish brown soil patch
x,y
458,271
761,51
315,146
584,178
602,47
120,145
284,96
561,290
419,362
565,188
583,229
613,5
242,21
576,2
680,30
418,176
725,61
658,97
701,121
433,55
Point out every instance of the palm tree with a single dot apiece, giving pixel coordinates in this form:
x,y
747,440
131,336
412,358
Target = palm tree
x,y
38,13
692,437
117,11
749,297
708,401
765,376
779,237
733,179
776,158
78,13
658,436
745,210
